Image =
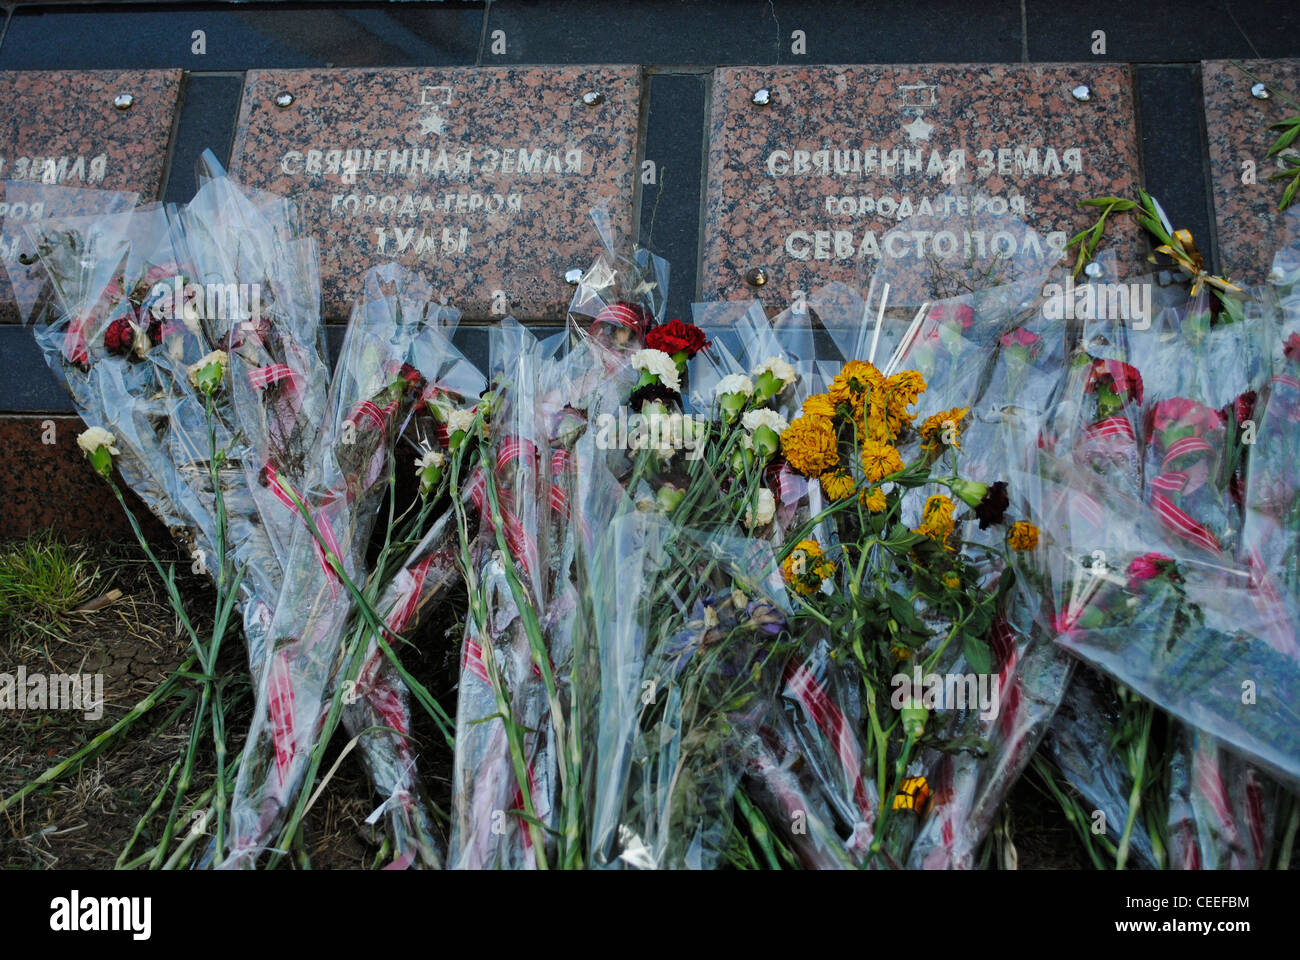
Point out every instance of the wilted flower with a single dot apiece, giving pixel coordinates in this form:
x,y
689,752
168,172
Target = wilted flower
x,y
806,567
873,499
207,373
989,501
429,469
766,509
943,429
458,425
936,519
879,460
837,483
1023,536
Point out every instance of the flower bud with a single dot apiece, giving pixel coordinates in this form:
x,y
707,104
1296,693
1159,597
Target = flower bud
x,y
970,491
913,716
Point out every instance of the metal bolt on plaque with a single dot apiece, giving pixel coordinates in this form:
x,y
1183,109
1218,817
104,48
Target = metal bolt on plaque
x,y
1260,91
762,97
1082,93
593,98
756,277
284,100
124,101
572,276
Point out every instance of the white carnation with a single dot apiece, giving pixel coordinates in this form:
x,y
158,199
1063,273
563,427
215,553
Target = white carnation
x,y
753,419
93,438
660,364
459,420
766,509
734,383
778,368
431,458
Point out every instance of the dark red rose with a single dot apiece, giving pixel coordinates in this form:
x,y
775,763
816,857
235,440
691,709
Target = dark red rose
x,y
653,393
993,507
1292,347
677,337
119,337
1245,406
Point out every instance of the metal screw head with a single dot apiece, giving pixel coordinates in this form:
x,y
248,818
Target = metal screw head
x,y
1259,91
1082,93
1093,269
593,97
573,276
762,97
756,277
124,101
283,100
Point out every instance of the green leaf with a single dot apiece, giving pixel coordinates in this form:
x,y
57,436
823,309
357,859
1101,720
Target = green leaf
x,y
977,653
1289,196
1283,141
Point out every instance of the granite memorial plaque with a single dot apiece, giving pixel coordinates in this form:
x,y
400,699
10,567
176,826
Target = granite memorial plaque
x,y
810,168
1237,116
95,129
481,177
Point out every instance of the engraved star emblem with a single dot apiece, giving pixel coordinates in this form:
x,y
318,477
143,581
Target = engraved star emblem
x,y
433,123
918,129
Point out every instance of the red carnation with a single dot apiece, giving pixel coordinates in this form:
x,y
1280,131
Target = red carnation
x,y
676,337
1182,412
1123,378
961,312
119,336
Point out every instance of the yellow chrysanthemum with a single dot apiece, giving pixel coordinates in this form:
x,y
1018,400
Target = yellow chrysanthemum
x,y
951,580
901,391
936,427
820,404
809,445
837,483
806,567
873,500
1023,536
879,460
856,379
936,519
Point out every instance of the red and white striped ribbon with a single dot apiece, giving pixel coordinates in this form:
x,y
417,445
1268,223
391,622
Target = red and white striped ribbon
x,y
801,685
620,314
1170,481
402,615
327,534
262,377
1182,524
280,707
1183,447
